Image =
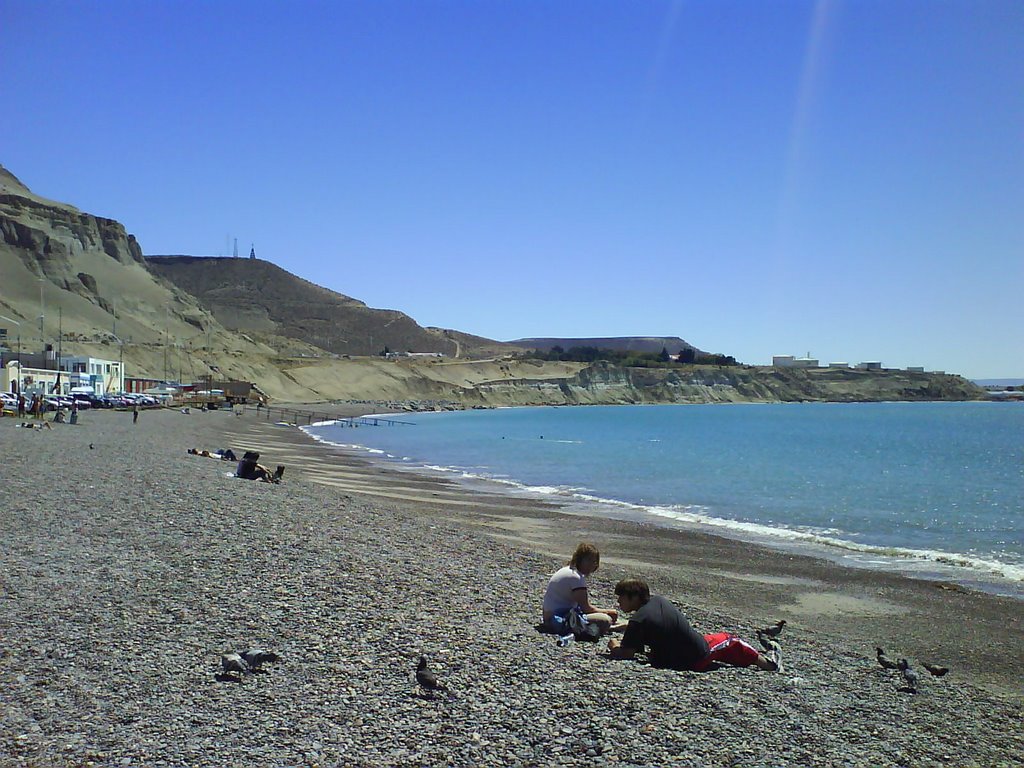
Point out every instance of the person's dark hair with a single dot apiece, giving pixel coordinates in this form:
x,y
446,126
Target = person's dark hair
x,y
634,588
582,551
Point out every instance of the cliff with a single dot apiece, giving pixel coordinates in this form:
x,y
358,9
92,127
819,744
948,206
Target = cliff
x,y
85,274
264,301
511,382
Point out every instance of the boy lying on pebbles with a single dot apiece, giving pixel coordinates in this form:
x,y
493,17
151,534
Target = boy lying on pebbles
x,y
224,454
657,625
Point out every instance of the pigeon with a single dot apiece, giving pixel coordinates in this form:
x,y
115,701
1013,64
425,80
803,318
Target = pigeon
x,y
427,679
773,631
254,658
92,447
774,650
884,660
232,662
909,675
937,671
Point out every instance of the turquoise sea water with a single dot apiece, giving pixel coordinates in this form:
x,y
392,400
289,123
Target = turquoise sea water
x,y
930,489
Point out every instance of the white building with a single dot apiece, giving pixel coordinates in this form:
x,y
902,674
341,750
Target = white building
x,y
872,365
101,376
788,361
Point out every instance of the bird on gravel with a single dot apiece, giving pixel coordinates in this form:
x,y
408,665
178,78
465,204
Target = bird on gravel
x,y
774,651
884,660
936,671
909,675
773,631
91,447
233,663
427,679
256,657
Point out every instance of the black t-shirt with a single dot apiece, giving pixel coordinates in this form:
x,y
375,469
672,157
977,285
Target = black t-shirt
x,y
661,626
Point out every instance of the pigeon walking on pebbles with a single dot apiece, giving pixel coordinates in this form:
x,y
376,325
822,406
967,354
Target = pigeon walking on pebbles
x,y
883,660
256,657
936,671
232,663
427,679
909,675
773,631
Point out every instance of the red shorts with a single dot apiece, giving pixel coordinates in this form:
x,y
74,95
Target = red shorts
x,y
724,648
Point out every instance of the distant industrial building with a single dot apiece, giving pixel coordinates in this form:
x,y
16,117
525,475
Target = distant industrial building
x,y
788,361
872,365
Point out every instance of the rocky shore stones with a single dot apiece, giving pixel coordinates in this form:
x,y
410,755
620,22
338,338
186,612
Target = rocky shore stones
x,y
139,550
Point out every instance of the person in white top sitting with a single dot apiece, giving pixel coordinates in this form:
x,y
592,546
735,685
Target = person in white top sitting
x,y
567,589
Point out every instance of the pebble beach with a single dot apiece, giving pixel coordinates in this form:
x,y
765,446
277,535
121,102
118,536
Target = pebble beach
x,y
128,567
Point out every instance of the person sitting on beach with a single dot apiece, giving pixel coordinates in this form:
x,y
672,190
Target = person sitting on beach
x,y
658,625
248,469
567,591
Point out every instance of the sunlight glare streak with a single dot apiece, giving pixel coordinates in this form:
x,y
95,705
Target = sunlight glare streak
x,y
808,96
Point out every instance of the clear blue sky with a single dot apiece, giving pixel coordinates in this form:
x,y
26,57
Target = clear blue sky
x,y
839,178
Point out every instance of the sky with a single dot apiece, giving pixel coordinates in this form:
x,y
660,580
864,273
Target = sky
x,y
844,179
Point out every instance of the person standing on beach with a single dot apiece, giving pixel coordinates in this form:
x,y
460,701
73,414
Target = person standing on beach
x,y
567,590
135,414
659,625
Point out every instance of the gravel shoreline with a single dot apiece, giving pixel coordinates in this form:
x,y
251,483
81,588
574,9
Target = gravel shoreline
x,y
128,568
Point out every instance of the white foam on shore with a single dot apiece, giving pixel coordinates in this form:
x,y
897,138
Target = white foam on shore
x,y
982,572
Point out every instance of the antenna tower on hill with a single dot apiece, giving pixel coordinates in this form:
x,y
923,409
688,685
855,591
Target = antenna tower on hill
x,y
252,251
236,247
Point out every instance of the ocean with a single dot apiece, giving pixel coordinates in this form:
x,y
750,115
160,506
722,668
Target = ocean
x,y
931,490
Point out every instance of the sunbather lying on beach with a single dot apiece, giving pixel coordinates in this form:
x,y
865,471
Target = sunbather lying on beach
x,y
657,625
250,470
567,590
35,426
224,454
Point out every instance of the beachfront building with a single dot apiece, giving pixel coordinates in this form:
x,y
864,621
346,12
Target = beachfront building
x,y
15,377
99,376
139,384
40,372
